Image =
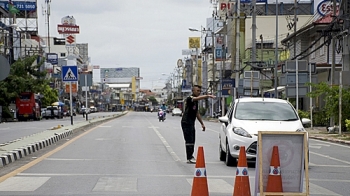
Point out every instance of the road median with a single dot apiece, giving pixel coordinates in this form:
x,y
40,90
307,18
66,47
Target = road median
x,y
19,148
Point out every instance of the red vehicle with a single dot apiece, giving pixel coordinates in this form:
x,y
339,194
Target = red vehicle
x,y
27,107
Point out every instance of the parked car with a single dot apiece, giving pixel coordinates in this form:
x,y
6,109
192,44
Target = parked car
x,y
176,112
93,109
246,116
84,110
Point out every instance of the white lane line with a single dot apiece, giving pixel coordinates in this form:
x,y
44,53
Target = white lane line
x,y
168,147
328,157
330,143
113,184
165,143
217,186
104,126
23,183
318,190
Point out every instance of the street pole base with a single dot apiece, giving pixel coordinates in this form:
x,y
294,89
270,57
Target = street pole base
x,y
71,119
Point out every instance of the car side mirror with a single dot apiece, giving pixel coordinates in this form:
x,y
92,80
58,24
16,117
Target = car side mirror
x,y
223,119
305,121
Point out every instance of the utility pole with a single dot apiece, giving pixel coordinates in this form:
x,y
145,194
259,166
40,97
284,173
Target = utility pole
x,y
48,23
236,59
295,27
345,54
346,39
254,32
295,53
333,42
262,60
276,54
213,68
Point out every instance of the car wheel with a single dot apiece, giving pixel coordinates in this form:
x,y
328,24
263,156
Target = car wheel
x,y
230,161
222,154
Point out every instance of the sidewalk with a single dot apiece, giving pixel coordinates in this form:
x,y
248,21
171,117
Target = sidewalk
x,y
319,133
322,134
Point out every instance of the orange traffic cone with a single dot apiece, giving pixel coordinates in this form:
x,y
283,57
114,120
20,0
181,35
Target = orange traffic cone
x,y
200,184
242,186
274,180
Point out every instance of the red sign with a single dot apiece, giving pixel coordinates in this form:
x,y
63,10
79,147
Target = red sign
x,y
67,29
70,39
74,88
226,6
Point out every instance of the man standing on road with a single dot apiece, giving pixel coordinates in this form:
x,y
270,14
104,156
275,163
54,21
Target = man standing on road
x,y
189,118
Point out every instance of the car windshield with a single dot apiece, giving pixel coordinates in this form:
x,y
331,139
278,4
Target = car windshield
x,y
273,111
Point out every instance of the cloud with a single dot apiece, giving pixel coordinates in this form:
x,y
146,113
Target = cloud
x,y
149,34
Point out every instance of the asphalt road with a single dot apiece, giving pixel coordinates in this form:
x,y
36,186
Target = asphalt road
x,y
10,131
137,155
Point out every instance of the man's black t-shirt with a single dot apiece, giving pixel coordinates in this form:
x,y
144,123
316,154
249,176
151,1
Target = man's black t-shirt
x,y
191,109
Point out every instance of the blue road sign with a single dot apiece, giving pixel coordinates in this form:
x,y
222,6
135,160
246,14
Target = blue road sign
x,y
69,73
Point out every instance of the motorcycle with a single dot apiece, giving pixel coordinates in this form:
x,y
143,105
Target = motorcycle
x,y
217,114
161,116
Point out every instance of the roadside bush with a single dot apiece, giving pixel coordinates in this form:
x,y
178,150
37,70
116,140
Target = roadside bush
x,y
6,113
303,114
347,124
320,118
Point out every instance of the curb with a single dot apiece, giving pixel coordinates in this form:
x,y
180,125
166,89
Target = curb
x,y
330,140
18,153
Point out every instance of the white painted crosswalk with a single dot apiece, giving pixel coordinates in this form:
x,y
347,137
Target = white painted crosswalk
x,y
129,184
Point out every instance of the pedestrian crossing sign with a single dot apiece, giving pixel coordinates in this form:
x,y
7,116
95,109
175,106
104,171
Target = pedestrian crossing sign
x,y
69,73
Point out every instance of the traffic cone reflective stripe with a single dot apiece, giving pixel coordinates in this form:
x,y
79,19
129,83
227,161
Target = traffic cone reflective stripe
x,y
275,171
200,173
200,184
242,171
242,186
274,181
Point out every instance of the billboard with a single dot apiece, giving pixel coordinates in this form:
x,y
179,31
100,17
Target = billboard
x,y
21,5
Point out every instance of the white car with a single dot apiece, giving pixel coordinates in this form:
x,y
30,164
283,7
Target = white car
x,y
176,112
246,116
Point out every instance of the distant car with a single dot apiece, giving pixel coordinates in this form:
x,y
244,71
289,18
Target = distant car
x,y
84,110
176,112
93,109
246,116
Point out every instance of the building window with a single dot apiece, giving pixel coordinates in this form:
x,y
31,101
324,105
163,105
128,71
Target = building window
x,y
313,52
63,54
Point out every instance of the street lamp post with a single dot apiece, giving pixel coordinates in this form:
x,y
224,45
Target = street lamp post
x,y
213,60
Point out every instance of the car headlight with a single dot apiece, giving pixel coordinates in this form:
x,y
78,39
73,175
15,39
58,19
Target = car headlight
x,y
240,131
300,130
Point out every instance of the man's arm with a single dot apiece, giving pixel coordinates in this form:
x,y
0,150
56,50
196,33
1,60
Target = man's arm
x,y
200,120
202,97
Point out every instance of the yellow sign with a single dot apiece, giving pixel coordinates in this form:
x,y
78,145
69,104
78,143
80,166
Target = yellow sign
x,y
194,42
284,55
122,101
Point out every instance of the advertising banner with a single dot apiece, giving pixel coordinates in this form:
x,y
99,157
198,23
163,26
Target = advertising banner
x,y
194,42
52,58
227,86
24,5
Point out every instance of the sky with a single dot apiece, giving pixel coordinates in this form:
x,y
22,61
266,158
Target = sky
x,y
149,34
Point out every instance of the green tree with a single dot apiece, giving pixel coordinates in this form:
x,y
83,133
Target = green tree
x,y
25,76
49,96
330,95
153,100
